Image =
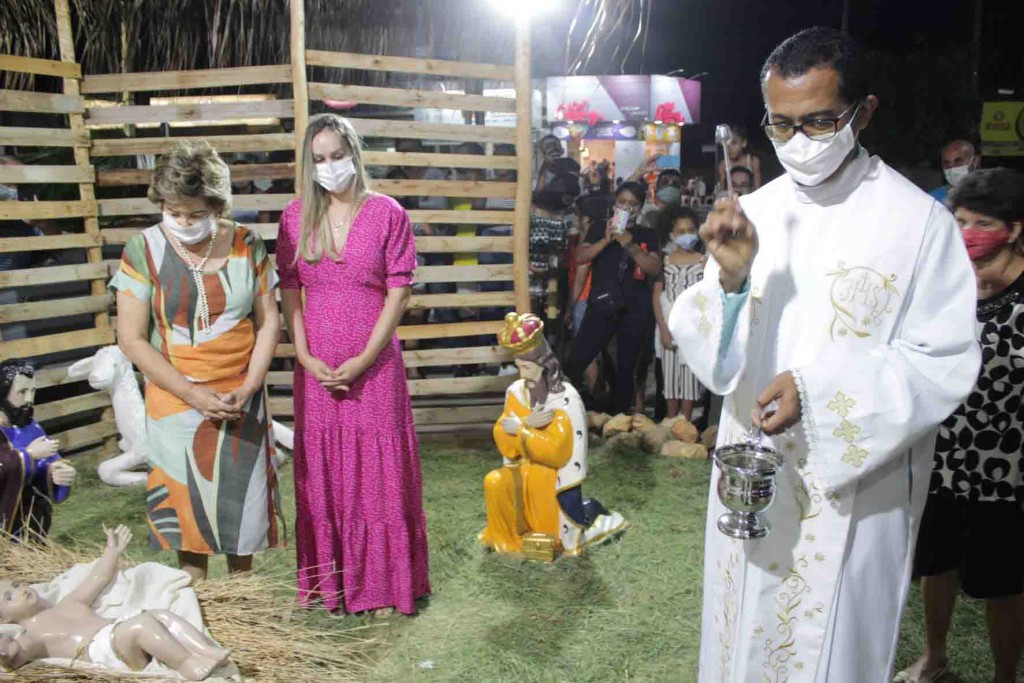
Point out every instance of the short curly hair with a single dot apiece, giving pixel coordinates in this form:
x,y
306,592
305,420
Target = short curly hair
x,y
995,192
192,169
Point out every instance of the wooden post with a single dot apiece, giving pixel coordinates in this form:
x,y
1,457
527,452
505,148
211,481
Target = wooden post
x,y
87,191
524,165
300,91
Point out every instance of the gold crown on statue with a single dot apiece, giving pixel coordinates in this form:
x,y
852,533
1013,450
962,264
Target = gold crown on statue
x,y
522,333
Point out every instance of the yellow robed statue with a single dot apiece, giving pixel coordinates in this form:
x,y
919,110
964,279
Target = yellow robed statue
x,y
535,503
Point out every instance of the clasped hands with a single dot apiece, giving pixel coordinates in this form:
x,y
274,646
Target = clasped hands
x,y
337,379
219,405
537,419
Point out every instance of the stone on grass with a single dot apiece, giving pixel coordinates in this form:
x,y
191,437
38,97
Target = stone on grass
x,y
617,425
629,441
653,438
710,437
689,451
642,422
684,430
597,420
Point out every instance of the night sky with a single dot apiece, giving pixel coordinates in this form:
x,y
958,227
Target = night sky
x,y
729,40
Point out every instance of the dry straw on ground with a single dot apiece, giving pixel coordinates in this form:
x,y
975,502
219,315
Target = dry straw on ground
x,y
250,613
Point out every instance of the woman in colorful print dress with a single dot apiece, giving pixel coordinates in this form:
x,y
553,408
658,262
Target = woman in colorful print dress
x,y
197,314
360,530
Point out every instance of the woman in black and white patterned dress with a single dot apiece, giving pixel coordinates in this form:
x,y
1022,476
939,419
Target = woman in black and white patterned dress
x,y
973,522
682,267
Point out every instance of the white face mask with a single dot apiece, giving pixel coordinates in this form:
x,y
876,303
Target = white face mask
x,y
195,234
812,162
263,184
336,176
956,174
8,193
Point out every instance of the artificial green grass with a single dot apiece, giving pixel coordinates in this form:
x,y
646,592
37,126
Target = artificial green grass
x,y
627,611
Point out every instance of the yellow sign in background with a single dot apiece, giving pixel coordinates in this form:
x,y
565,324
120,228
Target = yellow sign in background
x,y
1002,129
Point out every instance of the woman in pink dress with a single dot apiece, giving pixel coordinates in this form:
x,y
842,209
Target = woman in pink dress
x,y
360,529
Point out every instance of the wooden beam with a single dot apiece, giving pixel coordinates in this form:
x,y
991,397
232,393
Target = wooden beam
x,y
207,111
445,188
463,273
184,80
15,174
36,210
474,300
143,207
462,217
78,437
86,190
51,275
18,136
431,160
300,90
224,144
456,415
43,67
487,355
434,67
380,128
126,177
39,102
64,341
410,98
460,385
48,243
449,330
45,412
55,308
454,245
524,157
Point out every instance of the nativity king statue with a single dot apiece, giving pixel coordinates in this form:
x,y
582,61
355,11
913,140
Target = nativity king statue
x,y
33,476
535,503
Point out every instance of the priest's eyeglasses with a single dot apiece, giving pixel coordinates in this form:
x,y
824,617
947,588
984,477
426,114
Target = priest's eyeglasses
x,y
816,129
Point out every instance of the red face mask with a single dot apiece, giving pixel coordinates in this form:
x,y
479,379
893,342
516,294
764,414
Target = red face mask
x,y
981,243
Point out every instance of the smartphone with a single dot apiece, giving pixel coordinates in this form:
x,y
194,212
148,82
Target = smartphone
x,y
620,219
668,161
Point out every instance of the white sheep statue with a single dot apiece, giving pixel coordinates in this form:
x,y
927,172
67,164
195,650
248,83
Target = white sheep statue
x,y
110,370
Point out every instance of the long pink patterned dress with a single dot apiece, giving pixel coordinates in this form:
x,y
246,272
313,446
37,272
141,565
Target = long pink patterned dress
x,y
361,534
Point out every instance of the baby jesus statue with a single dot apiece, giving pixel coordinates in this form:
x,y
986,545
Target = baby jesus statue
x,y
70,629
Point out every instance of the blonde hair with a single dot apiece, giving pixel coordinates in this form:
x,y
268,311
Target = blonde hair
x,y
315,238
192,169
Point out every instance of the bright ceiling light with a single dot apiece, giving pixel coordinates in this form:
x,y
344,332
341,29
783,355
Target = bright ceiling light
x,y
529,8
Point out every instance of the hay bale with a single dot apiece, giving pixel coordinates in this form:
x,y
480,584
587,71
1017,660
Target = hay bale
x,y
710,437
684,430
688,451
252,614
596,421
654,438
617,425
642,422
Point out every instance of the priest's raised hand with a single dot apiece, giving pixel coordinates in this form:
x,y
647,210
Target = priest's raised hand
x,y
732,241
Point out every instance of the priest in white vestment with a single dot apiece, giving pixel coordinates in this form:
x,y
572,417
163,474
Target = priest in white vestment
x,y
844,295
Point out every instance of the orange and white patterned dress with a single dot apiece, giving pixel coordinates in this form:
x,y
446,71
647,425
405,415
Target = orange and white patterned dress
x,y
212,485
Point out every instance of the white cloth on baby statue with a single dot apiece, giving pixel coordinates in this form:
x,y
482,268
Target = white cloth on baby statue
x,y
102,652
146,586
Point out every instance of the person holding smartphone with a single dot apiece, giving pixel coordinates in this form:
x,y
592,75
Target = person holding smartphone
x,y
624,262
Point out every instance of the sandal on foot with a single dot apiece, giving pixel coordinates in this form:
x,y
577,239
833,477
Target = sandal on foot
x,y
915,674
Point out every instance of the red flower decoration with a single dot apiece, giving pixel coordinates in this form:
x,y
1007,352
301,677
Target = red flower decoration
x,y
578,111
666,113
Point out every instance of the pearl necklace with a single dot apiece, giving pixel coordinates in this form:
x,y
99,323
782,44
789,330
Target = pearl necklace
x,y
196,269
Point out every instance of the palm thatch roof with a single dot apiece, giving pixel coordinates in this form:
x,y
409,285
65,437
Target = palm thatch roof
x,y
116,36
